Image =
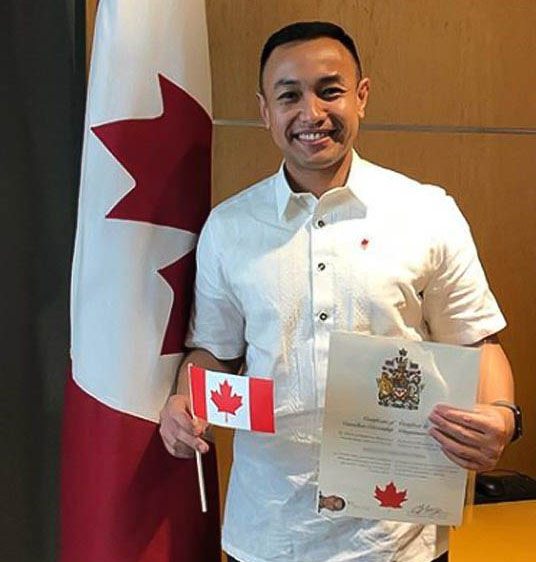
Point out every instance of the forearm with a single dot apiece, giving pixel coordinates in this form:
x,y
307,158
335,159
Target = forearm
x,y
496,381
205,359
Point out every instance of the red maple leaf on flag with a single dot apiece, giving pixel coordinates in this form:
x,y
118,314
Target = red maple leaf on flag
x,y
180,277
390,496
225,401
168,157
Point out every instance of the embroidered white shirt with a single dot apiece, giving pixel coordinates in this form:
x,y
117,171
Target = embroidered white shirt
x,y
277,271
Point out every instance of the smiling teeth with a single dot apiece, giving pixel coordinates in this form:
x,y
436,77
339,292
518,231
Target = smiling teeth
x,y
312,136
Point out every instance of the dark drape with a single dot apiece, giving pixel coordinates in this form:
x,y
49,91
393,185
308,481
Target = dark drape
x,y
42,83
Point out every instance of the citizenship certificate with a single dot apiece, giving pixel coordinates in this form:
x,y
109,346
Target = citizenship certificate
x,y
377,460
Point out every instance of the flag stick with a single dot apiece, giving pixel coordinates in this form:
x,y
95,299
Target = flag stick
x,y
198,460
201,480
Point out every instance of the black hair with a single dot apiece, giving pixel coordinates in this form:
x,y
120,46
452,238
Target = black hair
x,y
305,31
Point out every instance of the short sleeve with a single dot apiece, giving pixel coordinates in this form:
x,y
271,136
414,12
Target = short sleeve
x,y
216,322
458,305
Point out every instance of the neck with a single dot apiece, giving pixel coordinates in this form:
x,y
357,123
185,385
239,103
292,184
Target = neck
x,y
318,182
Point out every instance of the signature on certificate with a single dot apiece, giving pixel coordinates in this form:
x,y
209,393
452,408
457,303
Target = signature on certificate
x,y
427,510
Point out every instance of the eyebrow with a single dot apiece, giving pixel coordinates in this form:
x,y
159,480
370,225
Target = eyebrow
x,y
324,80
330,79
285,82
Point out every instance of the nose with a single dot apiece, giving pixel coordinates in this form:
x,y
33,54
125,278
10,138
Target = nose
x,y
312,109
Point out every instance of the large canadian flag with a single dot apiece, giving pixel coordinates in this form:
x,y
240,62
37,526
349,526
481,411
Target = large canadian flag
x,y
144,194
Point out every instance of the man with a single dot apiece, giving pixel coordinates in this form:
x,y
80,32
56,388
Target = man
x,y
329,242
333,503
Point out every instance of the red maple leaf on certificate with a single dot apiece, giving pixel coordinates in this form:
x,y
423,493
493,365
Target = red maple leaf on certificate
x,y
390,496
226,401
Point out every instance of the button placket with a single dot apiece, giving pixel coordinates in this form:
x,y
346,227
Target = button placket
x,y
322,298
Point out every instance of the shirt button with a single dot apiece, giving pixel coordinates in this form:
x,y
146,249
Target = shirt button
x,y
321,266
320,223
323,316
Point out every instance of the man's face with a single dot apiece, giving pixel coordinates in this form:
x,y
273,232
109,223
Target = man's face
x,y
333,503
312,102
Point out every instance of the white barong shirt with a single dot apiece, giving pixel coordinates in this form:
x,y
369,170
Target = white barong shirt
x,y
277,271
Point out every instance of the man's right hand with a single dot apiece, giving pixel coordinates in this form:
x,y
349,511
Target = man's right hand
x,y
179,431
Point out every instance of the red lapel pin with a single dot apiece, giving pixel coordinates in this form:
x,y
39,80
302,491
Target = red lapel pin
x,y
364,243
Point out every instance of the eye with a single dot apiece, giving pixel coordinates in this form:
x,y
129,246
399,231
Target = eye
x,y
288,96
332,92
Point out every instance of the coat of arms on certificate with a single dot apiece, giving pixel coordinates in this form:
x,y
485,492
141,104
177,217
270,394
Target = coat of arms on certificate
x,y
399,385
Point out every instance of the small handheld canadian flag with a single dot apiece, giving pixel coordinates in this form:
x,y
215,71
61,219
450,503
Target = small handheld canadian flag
x,y
232,400
229,401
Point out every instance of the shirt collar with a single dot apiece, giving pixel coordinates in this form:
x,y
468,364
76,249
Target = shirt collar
x,y
283,192
356,184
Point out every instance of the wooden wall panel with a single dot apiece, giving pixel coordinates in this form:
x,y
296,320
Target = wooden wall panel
x,y
91,14
462,62
491,177
241,156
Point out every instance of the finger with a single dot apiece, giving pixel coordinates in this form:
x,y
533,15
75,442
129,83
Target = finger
x,y
464,463
182,451
472,420
199,426
462,451
178,403
458,432
175,435
181,424
488,431
202,446
170,445
187,451
168,439
191,440
193,426
485,456
179,450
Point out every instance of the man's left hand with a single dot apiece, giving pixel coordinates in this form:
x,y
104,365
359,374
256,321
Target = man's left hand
x,y
472,439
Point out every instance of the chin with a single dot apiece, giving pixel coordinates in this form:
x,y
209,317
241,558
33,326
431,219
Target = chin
x,y
322,162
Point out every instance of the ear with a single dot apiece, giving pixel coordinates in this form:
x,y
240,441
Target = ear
x,y
263,109
362,94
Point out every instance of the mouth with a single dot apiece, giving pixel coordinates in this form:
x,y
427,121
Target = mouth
x,y
314,137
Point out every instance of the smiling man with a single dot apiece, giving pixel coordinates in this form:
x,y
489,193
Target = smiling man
x,y
311,97
330,242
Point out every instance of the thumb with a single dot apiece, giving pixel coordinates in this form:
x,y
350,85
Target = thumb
x,y
200,426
